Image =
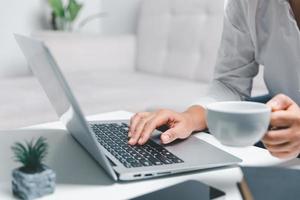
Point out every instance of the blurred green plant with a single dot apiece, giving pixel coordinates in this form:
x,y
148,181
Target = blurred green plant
x,y
31,155
63,16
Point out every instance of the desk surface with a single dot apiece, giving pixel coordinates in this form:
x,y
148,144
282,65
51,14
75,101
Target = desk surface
x,y
78,176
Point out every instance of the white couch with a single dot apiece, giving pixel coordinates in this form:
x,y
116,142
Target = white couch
x,y
168,63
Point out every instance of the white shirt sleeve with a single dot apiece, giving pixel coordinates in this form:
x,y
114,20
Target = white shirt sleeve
x,y
236,66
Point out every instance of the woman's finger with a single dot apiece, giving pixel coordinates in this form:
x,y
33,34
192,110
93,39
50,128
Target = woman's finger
x,y
280,102
136,134
277,137
282,118
139,129
178,131
157,121
135,120
285,147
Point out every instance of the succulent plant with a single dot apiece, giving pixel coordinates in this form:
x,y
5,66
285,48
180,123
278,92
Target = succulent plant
x,y
31,154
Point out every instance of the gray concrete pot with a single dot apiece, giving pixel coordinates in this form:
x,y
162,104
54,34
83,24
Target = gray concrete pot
x,y
31,186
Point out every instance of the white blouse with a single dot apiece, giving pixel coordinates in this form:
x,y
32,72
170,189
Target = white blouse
x,y
257,32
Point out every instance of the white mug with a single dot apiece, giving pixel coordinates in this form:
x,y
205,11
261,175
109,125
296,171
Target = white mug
x,y
238,123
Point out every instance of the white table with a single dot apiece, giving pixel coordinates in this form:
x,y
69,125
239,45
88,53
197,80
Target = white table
x,y
79,177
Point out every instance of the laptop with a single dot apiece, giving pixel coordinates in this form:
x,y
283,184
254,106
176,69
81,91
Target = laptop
x,y
107,141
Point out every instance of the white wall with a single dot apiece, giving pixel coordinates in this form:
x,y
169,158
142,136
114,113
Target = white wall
x,y
90,8
26,16
16,17
121,16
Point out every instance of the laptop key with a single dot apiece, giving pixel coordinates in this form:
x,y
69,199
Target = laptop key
x,y
145,162
176,160
163,159
127,165
155,161
136,165
130,160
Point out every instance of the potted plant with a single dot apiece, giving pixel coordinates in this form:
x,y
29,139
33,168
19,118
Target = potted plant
x,y
62,17
33,179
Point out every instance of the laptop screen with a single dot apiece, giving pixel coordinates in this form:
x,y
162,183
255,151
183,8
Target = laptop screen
x,y
46,70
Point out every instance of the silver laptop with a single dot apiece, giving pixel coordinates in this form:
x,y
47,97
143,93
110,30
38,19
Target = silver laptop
x,y
106,141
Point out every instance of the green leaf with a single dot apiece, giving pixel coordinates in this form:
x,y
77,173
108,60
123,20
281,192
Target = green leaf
x,y
73,10
20,153
57,7
41,149
18,148
31,154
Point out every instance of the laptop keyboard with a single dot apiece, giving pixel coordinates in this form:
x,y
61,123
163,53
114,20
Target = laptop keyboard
x,y
114,138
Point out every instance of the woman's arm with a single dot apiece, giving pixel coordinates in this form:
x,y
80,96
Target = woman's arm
x,y
236,65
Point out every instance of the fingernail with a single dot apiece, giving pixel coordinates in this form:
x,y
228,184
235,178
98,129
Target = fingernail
x,y
275,104
130,141
165,138
129,134
140,141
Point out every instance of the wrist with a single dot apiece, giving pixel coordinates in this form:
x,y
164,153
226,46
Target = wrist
x,y
196,115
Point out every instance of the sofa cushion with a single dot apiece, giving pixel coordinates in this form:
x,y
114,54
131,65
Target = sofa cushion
x,y
179,38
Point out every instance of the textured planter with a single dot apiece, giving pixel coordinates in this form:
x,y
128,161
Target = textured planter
x,y
31,186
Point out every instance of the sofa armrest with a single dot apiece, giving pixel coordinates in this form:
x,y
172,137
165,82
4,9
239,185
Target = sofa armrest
x,y
77,51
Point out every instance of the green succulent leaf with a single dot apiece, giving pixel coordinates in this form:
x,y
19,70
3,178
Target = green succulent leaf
x,y
57,7
31,154
20,152
41,148
73,10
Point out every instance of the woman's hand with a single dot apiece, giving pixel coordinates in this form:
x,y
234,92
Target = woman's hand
x,y
181,124
283,140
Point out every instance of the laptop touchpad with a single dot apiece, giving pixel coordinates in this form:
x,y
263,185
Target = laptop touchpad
x,y
196,151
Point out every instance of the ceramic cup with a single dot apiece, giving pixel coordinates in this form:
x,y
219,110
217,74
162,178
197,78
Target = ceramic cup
x,y
238,123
